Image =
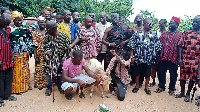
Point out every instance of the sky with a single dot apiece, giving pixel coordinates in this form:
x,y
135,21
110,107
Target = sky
x,y
165,9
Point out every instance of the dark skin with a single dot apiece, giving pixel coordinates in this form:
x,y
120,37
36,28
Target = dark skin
x,y
88,24
18,21
47,15
3,24
67,16
138,21
115,21
147,27
41,29
92,15
77,61
102,18
59,18
162,25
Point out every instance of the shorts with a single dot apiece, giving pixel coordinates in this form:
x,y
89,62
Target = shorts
x,y
141,69
87,79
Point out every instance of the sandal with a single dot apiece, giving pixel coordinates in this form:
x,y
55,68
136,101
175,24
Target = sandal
x,y
159,90
135,90
197,98
152,84
12,98
148,91
171,93
197,103
1,102
187,98
48,92
68,96
179,95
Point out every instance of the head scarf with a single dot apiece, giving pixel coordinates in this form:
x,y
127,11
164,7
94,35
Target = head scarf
x,y
16,14
176,19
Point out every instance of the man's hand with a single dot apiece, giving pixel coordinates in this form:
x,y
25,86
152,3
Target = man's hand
x,y
1,63
122,44
37,60
99,49
112,44
117,59
85,38
81,83
180,62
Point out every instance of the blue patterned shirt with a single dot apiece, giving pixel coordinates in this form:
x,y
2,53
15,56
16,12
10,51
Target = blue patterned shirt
x,y
145,47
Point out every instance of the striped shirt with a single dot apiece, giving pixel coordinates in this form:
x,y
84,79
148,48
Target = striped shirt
x,y
5,50
170,41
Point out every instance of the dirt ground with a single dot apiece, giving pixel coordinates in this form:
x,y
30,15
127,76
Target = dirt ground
x,y
36,101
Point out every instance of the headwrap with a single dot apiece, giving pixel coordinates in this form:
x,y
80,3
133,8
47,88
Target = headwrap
x,y
16,14
176,19
34,25
49,8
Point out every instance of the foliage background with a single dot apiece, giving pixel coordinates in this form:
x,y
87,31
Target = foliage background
x,y
123,7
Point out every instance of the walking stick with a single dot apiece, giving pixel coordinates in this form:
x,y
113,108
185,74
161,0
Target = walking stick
x,y
194,89
52,82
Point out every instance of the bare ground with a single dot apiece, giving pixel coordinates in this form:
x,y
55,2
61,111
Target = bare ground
x,y
36,101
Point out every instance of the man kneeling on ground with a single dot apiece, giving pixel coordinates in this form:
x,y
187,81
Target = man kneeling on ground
x,y
71,75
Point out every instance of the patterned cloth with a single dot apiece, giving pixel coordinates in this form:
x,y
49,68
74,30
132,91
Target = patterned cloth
x,y
21,44
123,74
134,27
93,24
170,41
21,40
5,49
64,27
60,49
39,76
190,42
75,33
73,70
145,47
21,73
118,34
89,47
101,28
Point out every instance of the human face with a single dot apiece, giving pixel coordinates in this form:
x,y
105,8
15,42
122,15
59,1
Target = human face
x,y
41,24
18,21
172,25
47,15
102,18
88,22
92,15
76,17
50,29
161,24
148,25
67,16
138,19
115,18
5,23
77,60
59,18
196,23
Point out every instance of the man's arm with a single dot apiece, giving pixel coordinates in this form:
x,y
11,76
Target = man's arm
x,y
89,72
69,79
105,36
179,55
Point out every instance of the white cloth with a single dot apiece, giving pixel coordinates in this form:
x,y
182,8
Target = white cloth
x,y
101,28
87,79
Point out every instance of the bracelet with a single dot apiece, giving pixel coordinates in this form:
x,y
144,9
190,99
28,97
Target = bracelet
x,y
109,44
132,57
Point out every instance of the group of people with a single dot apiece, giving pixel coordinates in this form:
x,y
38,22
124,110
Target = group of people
x,y
62,48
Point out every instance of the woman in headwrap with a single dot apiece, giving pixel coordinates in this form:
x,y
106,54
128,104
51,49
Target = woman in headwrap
x,y
21,42
38,38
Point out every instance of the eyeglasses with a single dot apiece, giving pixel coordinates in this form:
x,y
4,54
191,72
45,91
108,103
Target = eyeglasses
x,y
150,24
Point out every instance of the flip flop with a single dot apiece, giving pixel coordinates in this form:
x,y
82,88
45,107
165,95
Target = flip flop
x,y
197,98
68,96
159,90
152,84
12,98
187,98
48,92
135,90
147,91
179,95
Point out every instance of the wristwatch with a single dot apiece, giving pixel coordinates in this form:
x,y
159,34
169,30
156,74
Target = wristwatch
x,y
132,57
